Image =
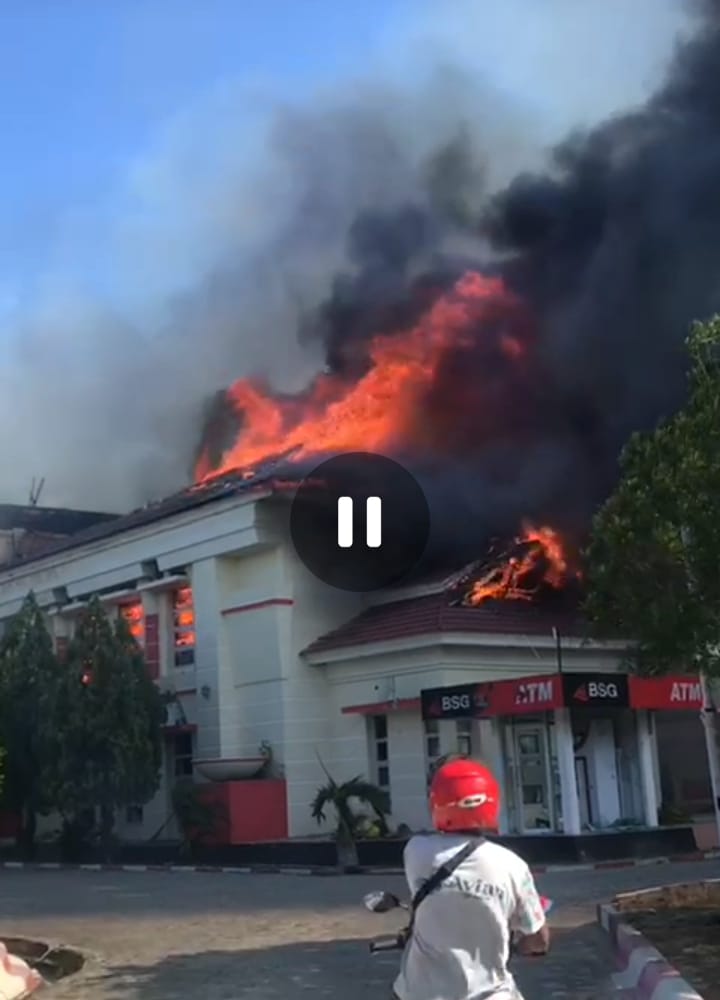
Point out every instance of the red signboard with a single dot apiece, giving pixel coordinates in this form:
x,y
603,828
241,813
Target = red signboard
x,y
480,701
662,693
526,695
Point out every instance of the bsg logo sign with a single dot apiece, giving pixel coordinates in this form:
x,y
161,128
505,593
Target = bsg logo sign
x,y
598,690
456,703
464,701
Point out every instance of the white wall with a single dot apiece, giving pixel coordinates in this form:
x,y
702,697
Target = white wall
x,y
599,751
407,770
312,726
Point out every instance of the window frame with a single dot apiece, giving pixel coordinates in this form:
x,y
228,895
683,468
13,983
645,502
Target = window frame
x,y
183,654
184,756
379,736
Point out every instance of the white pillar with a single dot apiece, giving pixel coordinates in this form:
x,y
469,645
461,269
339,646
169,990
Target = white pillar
x,y
491,742
646,759
707,718
566,770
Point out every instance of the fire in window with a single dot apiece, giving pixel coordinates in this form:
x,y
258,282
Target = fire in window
x,y
184,627
134,617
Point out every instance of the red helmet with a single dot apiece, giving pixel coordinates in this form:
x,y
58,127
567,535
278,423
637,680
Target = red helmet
x,y
464,795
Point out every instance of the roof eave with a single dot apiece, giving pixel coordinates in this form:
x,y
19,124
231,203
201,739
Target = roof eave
x,y
480,640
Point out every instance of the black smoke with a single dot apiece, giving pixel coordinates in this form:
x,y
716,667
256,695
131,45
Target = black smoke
x,y
614,250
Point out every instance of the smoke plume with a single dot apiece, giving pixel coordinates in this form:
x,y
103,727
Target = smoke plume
x,y
322,225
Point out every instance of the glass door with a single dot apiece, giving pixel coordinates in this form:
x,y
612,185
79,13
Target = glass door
x,y
533,778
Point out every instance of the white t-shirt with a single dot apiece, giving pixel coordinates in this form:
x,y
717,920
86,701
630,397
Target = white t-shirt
x,y
460,943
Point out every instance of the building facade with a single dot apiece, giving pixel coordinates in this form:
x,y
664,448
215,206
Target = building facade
x,y
261,656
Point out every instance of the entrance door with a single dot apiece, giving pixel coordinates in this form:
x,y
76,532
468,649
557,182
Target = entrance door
x,y
533,778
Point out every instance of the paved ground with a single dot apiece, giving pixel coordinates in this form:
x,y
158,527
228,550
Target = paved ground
x,y
276,937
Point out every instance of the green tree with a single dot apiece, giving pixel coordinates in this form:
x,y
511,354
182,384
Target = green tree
x,y
28,684
654,556
340,796
108,739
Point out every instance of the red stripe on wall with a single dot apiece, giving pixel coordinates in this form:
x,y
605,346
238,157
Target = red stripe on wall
x,y
282,602
383,707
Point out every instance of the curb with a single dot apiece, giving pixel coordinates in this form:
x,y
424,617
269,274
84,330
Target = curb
x,y
643,972
326,870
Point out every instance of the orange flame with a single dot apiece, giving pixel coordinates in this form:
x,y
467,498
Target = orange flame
x,y
184,618
542,561
134,616
384,407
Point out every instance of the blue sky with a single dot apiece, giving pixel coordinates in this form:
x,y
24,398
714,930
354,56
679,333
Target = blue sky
x,y
90,90
85,87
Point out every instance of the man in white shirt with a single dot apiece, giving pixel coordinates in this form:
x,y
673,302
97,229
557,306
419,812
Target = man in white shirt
x,y
460,942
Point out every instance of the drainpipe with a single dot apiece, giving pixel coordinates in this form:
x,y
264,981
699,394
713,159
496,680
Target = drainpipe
x,y
558,648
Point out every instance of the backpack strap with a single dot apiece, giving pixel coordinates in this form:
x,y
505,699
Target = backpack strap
x,y
439,876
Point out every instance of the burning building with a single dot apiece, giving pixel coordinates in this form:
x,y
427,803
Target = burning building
x,y
505,378
491,659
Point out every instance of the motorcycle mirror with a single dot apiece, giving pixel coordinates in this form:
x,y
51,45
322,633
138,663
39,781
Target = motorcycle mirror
x,y
381,902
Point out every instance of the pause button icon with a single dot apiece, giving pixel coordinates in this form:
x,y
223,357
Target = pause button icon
x,y
373,522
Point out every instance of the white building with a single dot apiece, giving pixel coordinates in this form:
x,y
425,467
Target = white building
x,y
259,652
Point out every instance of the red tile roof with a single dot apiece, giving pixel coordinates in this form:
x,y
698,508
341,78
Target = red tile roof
x,y
435,613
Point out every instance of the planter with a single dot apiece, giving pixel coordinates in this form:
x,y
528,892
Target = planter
x,y
230,768
666,941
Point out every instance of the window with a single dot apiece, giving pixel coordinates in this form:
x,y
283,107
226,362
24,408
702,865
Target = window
x,y
184,627
134,814
134,616
464,737
380,751
432,745
183,755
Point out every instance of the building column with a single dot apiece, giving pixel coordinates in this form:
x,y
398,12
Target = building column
x,y
569,799
491,745
646,759
151,639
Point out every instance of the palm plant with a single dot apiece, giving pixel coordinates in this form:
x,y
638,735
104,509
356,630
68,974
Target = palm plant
x,y
340,797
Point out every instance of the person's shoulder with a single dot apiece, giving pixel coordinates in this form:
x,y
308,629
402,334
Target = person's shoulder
x,y
421,843
503,856
429,847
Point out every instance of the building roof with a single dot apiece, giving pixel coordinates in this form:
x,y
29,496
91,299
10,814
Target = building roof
x,y
438,613
188,499
49,520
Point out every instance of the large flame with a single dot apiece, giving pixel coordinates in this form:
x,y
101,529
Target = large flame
x,y
539,559
383,410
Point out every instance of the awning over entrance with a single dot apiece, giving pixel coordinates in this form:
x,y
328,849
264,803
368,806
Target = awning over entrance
x,y
526,695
